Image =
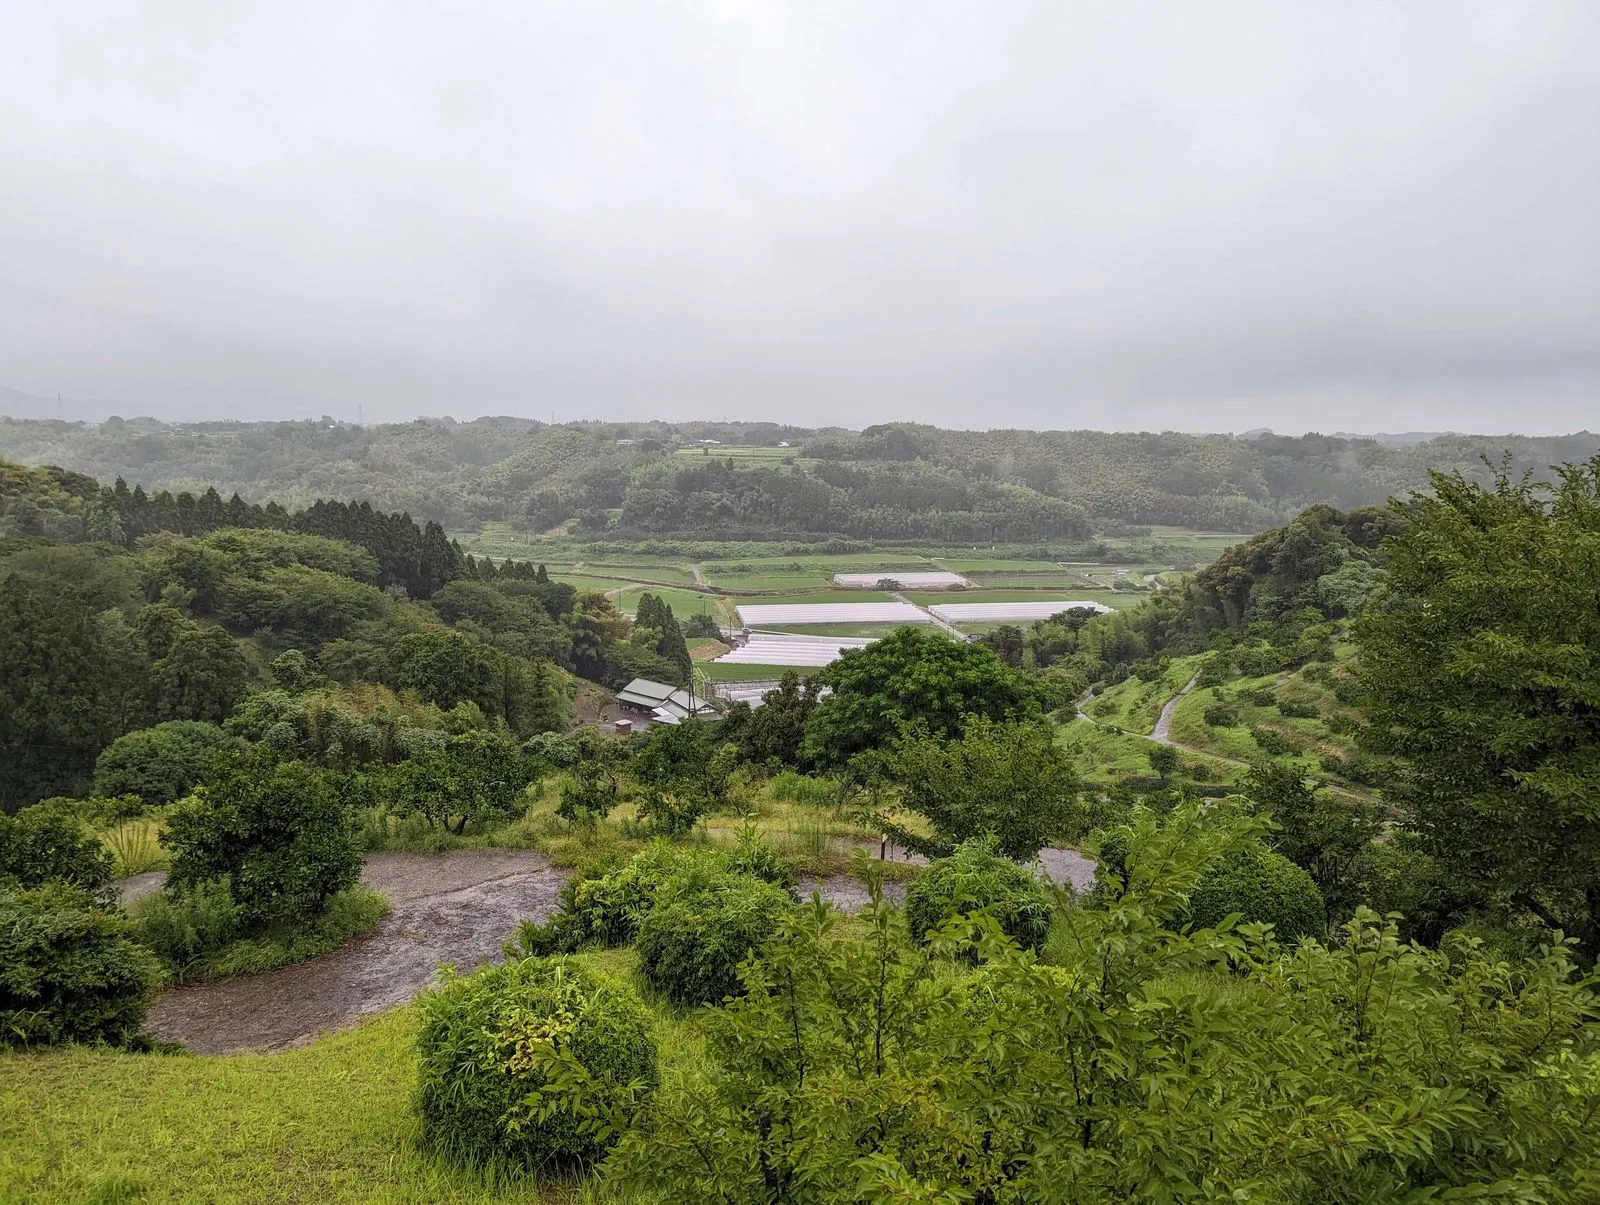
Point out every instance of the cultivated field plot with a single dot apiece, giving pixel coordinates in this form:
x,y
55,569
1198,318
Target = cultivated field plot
x,y
767,648
900,580
935,598
743,453
864,631
1009,612
684,603
757,615
715,671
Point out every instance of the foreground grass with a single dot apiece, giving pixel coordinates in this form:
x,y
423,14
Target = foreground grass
x,y
329,1122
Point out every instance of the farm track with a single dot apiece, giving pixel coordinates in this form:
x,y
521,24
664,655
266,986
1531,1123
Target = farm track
x,y
458,907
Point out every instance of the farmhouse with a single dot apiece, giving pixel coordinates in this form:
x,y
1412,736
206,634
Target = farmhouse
x,y
661,704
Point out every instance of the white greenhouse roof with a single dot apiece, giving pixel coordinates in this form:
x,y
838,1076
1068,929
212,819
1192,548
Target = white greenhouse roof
x,y
1000,612
808,652
754,615
903,581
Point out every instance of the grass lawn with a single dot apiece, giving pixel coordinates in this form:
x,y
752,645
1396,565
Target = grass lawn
x,y
1107,758
330,1121
641,571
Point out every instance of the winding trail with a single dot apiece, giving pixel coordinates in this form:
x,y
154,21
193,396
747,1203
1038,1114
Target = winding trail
x,y
1162,733
456,907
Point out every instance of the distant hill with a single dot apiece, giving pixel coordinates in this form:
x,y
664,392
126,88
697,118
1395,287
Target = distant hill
x,y
898,481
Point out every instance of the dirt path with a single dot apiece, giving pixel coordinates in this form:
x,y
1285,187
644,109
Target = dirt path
x,y
699,577
455,907
1163,729
945,624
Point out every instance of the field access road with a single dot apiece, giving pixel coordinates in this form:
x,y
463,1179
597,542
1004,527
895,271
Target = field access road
x,y
943,623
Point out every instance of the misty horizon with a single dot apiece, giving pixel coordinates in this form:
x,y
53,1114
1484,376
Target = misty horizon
x,y
1086,216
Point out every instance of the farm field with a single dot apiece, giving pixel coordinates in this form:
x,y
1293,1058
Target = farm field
x,y
714,671
932,598
871,631
807,597
684,603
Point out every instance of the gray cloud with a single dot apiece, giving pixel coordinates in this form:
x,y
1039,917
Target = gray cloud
x,y
1121,214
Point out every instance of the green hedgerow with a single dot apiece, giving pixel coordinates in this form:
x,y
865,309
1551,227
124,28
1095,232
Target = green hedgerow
x,y
977,879
1262,886
531,1064
69,971
692,941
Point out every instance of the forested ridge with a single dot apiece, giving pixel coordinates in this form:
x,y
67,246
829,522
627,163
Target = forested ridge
x,y
900,481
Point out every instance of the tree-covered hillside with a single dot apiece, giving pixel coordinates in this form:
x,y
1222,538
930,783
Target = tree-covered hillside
x,y
901,481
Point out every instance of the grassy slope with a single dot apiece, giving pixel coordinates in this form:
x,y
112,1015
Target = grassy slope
x,y
330,1121
1135,705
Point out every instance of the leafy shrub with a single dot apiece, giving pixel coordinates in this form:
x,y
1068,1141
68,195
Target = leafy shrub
x,y
198,933
1333,764
1338,723
164,763
530,1064
1368,770
183,925
277,831
976,878
692,941
755,857
1261,698
1263,886
803,788
606,910
1297,711
45,843
1271,741
1221,715
69,972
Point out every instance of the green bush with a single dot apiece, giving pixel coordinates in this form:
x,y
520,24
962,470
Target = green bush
x,y
607,911
45,843
1221,715
164,763
530,1064
1271,741
1262,886
976,878
69,971
1298,711
692,941
198,932
183,925
277,831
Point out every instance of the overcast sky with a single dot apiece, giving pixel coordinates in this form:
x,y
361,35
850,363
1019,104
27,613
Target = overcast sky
x,y
1200,216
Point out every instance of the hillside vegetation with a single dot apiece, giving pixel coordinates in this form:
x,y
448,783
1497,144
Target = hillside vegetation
x,y
896,482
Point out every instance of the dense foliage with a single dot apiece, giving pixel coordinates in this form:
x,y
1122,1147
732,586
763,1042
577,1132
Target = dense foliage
x,y
975,878
910,677
163,763
45,843
493,1043
1141,1063
1480,669
695,936
1260,887
891,481
69,971
277,832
